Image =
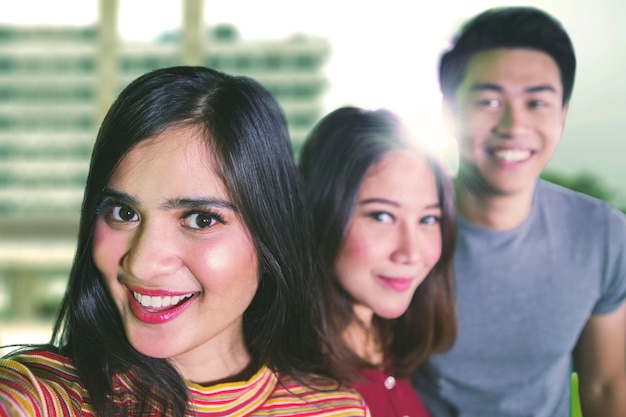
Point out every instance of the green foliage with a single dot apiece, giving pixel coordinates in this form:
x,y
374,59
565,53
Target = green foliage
x,y
584,182
574,397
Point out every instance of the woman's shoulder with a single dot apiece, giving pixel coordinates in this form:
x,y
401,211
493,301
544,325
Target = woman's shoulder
x,y
270,393
43,364
37,355
40,380
326,396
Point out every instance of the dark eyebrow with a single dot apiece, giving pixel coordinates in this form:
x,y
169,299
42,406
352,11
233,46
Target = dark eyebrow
x,y
175,203
540,88
487,87
194,203
497,88
121,197
378,200
393,203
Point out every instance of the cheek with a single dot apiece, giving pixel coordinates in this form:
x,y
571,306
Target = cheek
x,y
467,142
107,249
473,128
431,251
356,254
554,132
231,264
358,248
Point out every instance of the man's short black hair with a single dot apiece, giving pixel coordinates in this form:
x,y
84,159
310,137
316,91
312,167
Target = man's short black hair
x,y
508,27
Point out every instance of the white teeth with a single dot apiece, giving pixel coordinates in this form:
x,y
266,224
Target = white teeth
x,y
512,155
158,302
167,300
145,301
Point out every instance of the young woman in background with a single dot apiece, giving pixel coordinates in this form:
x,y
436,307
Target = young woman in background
x,y
385,225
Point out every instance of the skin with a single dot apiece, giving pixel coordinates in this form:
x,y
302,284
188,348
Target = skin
x,y
168,224
392,242
508,117
509,106
600,362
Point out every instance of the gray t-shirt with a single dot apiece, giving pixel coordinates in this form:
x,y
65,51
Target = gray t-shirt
x,y
523,298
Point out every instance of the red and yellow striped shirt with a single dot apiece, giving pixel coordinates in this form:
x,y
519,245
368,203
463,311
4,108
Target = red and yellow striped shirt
x,y
45,384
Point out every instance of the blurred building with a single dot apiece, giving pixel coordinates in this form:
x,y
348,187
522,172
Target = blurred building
x,y
52,83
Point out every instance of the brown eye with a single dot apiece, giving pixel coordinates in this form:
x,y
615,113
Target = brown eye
x,y
489,103
536,104
202,220
432,219
124,214
382,217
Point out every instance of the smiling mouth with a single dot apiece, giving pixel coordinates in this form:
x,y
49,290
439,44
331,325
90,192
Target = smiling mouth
x,y
512,155
396,284
157,303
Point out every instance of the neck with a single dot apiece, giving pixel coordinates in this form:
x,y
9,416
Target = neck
x,y
225,360
362,338
495,212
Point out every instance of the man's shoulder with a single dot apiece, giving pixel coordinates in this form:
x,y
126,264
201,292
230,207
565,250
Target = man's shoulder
x,y
554,197
580,219
554,191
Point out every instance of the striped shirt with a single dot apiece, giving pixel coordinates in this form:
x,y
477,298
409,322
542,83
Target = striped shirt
x,y
45,384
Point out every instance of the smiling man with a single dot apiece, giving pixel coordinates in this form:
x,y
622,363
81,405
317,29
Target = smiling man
x,y
540,270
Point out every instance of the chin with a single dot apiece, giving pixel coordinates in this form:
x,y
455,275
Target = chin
x,y
390,313
153,350
148,344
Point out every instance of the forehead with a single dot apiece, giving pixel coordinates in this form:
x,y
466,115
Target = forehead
x,y
178,155
512,69
403,173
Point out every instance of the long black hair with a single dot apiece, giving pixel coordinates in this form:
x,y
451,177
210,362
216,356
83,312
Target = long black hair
x,y
246,131
334,161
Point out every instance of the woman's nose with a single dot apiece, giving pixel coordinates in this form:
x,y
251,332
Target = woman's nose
x,y
152,252
407,250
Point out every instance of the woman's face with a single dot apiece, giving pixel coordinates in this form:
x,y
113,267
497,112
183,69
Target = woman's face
x,y
394,235
176,256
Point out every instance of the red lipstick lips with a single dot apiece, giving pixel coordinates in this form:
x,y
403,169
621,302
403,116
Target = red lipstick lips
x,y
160,307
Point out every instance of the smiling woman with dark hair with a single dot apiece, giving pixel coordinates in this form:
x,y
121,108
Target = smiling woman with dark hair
x,y
385,225
193,290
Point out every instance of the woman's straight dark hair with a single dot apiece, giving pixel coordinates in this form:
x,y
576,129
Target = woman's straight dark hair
x,y
245,131
334,161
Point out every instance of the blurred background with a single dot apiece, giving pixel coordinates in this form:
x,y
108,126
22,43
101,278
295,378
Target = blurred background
x,y
62,63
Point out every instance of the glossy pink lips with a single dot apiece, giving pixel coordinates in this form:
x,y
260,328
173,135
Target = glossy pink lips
x,y
396,284
152,315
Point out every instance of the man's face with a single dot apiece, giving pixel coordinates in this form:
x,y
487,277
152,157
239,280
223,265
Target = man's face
x,y
508,117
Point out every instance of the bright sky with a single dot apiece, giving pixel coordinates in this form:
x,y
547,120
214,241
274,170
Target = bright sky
x,y
385,54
